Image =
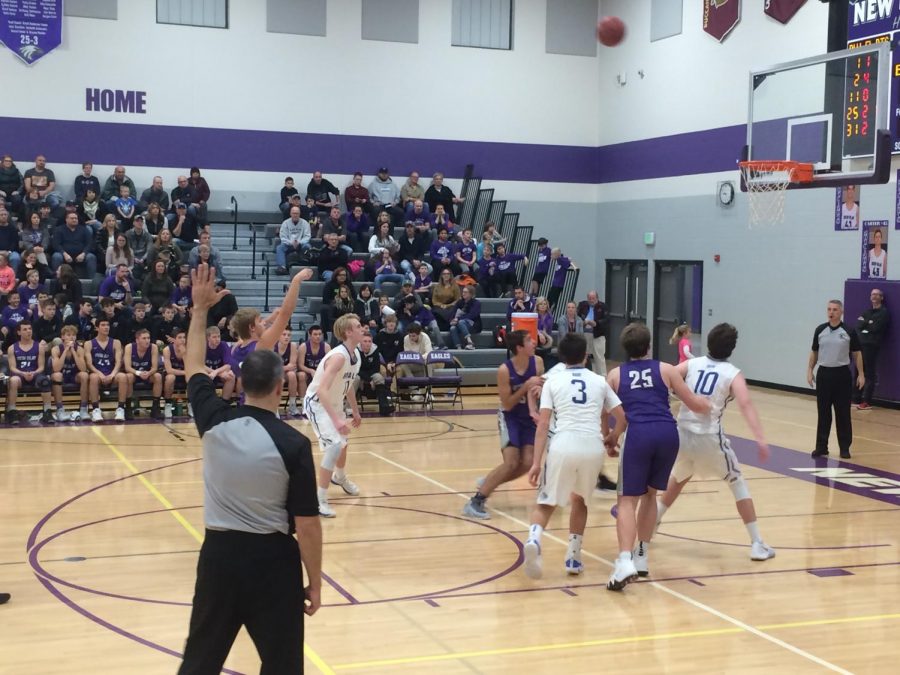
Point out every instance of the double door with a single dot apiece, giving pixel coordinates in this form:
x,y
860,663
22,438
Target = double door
x,y
678,287
626,299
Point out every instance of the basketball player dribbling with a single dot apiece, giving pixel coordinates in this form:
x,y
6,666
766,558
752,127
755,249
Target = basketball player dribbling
x,y
332,385
651,445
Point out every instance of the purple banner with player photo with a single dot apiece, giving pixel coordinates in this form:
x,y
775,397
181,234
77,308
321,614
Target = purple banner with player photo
x,y
720,17
783,10
846,208
873,262
31,29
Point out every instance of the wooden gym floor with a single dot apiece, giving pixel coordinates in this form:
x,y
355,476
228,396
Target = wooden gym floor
x,y
102,526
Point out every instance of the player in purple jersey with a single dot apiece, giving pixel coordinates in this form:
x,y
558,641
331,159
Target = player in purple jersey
x,y
141,361
515,378
69,368
103,356
26,371
286,349
173,361
651,446
218,362
309,356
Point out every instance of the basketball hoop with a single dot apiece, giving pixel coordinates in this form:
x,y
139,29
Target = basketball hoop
x,y
767,181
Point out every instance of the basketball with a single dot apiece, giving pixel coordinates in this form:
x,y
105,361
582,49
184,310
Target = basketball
x,y
610,30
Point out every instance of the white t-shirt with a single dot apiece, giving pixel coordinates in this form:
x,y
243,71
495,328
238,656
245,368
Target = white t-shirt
x,y
341,384
877,264
849,217
712,379
577,397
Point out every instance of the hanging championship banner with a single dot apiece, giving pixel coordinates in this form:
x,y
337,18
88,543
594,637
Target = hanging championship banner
x,y
846,208
720,17
873,264
783,10
31,28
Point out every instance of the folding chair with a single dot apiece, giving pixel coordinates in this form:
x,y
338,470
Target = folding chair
x,y
405,385
445,384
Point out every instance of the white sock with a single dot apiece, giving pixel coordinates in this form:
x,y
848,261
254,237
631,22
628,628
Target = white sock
x,y
753,530
574,545
339,475
535,532
322,493
624,555
643,547
660,509
292,400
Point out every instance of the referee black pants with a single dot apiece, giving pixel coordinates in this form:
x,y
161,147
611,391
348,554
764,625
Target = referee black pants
x,y
833,389
251,580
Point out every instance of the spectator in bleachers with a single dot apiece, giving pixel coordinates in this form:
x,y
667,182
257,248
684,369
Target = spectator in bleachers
x,y
112,188
29,289
382,239
90,211
181,298
185,227
199,208
541,267
390,342
126,207
182,192
293,237
31,261
442,219
139,241
488,278
443,254
35,237
340,277
284,198
595,316
545,323
357,195
412,251
445,295
410,312
311,214
215,258
385,196
332,258
9,238
26,371
559,264
384,308
12,315
570,322
321,190
48,323
520,302
466,320
42,179
415,340
306,209
422,284
83,321
119,287
106,236
85,181
411,192
506,268
367,307
221,313
438,193
334,224
158,286
406,290
386,270
10,184
423,221
155,194
165,249
166,325
204,256
119,253
357,228
48,220
69,368
67,284
343,304
139,319
8,282
155,220
466,253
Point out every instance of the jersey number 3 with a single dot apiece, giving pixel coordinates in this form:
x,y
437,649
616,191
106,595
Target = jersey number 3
x,y
580,396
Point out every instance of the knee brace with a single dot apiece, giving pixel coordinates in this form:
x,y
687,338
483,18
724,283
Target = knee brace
x,y
332,453
739,488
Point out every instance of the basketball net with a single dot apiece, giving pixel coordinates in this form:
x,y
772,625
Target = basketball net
x,y
767,184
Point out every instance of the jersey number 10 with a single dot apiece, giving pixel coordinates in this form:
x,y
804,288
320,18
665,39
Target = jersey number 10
x,y
706,382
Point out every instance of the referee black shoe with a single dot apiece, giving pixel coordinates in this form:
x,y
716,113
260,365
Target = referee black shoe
x,y
819,453
845,454
4,598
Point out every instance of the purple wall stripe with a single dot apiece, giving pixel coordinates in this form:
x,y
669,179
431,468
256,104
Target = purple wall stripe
x,y
72,142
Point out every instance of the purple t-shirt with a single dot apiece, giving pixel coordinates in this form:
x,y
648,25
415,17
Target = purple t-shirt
x,y
218,357
441,249
543,260
181,297
110,288
467,251
559,272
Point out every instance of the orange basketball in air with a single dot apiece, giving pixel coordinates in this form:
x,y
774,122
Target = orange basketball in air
x,y
610,30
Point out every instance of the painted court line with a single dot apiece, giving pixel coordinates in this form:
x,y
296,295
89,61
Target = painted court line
x,y
310,653
694,603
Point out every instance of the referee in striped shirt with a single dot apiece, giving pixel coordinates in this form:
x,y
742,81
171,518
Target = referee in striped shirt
x,y
832,348
259,485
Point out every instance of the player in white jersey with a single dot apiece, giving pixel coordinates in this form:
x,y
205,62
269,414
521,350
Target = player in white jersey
x,y
581,401
704,447
324,406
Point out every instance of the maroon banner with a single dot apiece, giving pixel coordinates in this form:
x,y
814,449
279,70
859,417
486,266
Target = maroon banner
x,y
783,10
720,17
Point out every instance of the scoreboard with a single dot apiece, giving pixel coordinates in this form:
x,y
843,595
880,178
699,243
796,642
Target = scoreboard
x,y
870,22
